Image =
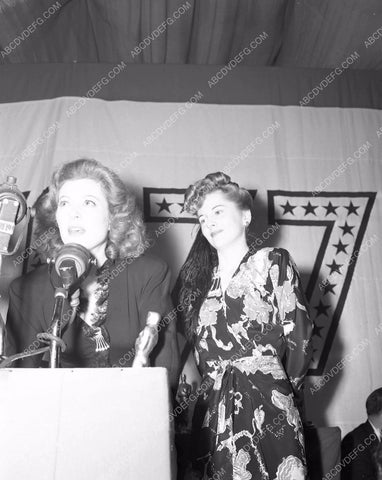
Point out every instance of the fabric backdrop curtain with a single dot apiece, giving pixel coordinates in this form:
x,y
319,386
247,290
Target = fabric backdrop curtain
x,y
316,175
298,33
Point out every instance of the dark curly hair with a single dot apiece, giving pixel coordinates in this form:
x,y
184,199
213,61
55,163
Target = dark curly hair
x,y
127,231
196,193
196,273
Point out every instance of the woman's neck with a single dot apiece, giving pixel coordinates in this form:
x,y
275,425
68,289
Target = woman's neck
x,y
100,255
229,259
228,263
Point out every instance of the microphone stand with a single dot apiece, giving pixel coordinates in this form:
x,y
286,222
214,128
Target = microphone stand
x,y
6,361
53,337
2,337
73,263
60,295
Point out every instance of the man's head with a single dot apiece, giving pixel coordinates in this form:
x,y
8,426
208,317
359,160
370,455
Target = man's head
x,y
374,407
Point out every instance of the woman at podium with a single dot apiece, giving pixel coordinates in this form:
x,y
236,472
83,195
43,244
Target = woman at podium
x,y
125,291
250,331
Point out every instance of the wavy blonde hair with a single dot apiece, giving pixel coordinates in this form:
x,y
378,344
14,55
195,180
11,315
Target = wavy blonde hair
x,y
127,231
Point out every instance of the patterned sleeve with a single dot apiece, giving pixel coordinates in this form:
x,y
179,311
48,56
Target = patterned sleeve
x,y
294,316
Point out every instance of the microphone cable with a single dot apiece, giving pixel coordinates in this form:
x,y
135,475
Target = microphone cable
x,y
47,337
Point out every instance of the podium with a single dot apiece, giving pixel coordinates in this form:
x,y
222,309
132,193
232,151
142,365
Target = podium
x,y
85,424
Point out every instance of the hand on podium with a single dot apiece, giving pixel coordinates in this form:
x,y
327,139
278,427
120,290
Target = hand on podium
x,y
146,340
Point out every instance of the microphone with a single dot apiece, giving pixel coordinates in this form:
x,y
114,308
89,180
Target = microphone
x,y
67,270
72,264
13,208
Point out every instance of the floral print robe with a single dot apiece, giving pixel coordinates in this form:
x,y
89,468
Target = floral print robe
x,y
252,349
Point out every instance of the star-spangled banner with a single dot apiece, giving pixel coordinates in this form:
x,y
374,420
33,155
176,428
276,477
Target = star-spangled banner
x,y
344,217
161,204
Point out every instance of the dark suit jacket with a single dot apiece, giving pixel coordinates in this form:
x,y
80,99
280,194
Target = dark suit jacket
x,y
357,449
136,287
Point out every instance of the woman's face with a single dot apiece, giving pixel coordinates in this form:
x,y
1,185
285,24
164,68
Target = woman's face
x,y
83,215
222,221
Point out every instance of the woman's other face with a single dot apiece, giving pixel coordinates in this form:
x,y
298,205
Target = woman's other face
x,y
83,215
222,221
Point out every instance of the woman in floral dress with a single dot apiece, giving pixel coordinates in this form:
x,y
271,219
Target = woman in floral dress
x,y
250,331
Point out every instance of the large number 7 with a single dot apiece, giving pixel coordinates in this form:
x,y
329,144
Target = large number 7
x,y
344,216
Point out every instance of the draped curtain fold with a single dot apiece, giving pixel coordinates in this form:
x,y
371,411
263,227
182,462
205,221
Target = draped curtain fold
x,y
298,34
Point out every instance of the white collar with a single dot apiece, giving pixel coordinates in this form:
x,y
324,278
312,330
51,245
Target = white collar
x,y
376,430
